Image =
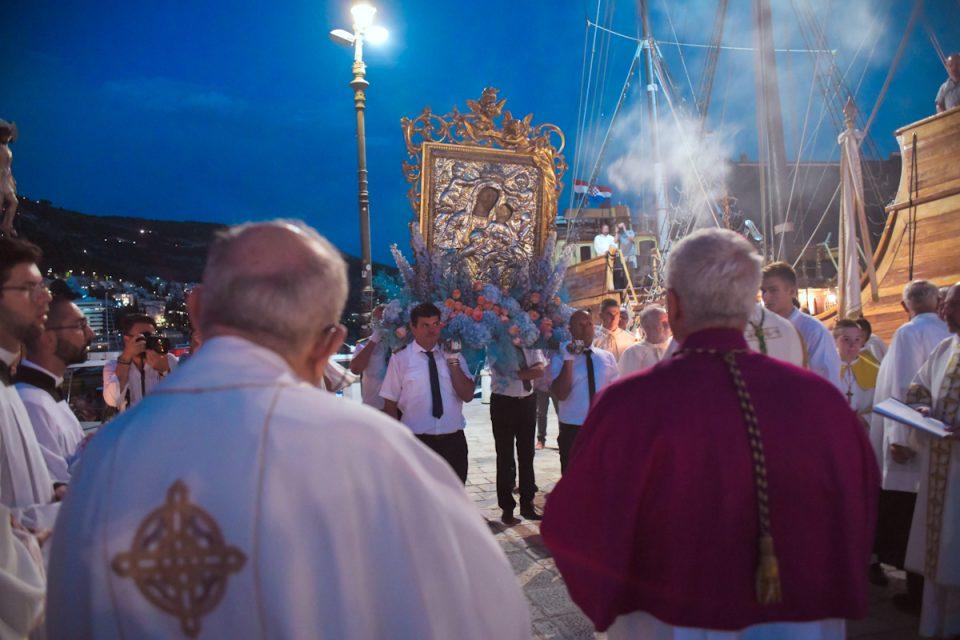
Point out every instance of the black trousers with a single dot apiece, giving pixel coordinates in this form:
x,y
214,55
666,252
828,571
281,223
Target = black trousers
x,y
566,440
514,425
894,516
543,407
452,447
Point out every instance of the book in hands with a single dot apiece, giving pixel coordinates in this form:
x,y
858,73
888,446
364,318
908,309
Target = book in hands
x,y
904,414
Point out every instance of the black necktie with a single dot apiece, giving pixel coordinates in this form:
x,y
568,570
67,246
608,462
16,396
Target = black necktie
x,y
435,386
591,377
527,386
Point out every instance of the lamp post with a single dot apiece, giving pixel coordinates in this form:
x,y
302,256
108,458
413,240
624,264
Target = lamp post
x,y
363,31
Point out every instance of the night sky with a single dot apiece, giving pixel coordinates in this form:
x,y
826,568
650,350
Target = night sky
x,y
230,111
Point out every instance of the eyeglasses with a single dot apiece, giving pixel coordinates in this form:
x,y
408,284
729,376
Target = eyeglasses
x,y
81,326
35,290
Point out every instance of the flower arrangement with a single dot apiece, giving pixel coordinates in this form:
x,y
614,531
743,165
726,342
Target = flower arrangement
x,y
486,319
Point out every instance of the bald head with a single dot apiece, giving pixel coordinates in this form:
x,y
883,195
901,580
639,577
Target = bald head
x,y
581,326
279,282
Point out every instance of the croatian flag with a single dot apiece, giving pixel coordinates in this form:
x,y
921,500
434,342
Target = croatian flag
x,y
593,190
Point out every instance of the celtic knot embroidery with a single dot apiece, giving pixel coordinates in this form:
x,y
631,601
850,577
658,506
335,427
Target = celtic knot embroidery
x,y
179,560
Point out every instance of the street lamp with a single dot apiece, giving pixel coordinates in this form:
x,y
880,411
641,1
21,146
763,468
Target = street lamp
x,y
363,31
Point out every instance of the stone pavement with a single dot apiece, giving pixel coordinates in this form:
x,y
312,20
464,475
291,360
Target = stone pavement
x,y
554,615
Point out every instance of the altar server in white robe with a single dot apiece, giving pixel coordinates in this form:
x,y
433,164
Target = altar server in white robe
x,y
934,547
305,516
25,484
653,347
911,345
858,375
873,345
65,340
774,336
779,290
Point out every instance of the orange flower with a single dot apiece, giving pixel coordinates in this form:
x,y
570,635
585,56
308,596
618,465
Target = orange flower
x,y
456,294
458,306
481,300
477,285
448,303
514,330
533,315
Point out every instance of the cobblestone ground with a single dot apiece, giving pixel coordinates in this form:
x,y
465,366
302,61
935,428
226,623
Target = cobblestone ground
x,y
554,615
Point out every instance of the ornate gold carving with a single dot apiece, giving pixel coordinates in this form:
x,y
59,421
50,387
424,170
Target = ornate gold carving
x,y
454,156
179,560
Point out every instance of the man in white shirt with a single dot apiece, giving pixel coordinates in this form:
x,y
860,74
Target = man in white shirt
x,y
24,300
134,374
651,350
513,414
626,244
603,241
611,336
425,388
39,380
579,372
933,549
909,349
271,508
779,290
370,363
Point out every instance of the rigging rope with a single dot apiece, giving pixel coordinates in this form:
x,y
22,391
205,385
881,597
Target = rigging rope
x,y
817,228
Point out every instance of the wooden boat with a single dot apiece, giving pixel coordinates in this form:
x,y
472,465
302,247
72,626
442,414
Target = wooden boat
x,y
921,239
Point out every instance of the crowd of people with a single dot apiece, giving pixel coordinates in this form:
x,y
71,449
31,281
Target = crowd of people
x,y
723,472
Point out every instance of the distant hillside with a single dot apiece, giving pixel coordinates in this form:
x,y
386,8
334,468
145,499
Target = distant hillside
x,y
129,248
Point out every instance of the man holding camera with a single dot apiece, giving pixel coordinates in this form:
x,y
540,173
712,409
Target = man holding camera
x,y
141,366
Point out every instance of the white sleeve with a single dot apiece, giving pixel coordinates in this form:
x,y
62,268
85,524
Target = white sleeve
x,y
392,382
112,393
46,430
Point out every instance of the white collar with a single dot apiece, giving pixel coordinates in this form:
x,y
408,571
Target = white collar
x,y
416,347
34,365
8,357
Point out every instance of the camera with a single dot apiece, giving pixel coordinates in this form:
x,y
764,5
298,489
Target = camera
x,y
155,343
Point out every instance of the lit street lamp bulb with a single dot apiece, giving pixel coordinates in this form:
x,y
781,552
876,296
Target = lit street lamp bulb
x,y
363,13
377,35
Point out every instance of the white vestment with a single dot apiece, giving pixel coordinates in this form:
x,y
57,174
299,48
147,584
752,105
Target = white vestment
x,y
780,338
24,479
57,429
616,341
937,384
909,349
822,356
640,625
333,520
641,355
22,581
875,347
858,391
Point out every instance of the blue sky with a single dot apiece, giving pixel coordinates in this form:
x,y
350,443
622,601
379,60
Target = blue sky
x,y
230,111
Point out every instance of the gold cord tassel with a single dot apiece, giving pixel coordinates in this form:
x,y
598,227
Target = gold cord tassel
x,y
768,573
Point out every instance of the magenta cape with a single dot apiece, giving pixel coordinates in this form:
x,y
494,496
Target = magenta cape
x,y
657,510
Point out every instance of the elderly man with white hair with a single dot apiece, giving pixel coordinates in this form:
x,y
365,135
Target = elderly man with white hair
x,y
911,346
239,500
721,493
650,350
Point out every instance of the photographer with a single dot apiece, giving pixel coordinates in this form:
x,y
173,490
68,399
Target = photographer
x,y
145,360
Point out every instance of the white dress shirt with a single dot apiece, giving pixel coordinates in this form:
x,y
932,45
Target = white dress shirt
x,y
822,356
372,377
137,386
408,384
616,341
642,355
508,384
602,242
57,429
574,409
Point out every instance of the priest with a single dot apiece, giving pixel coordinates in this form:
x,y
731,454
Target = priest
x,y
25,484
650,350
910,347
240,500
934,550
743,503
39,380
